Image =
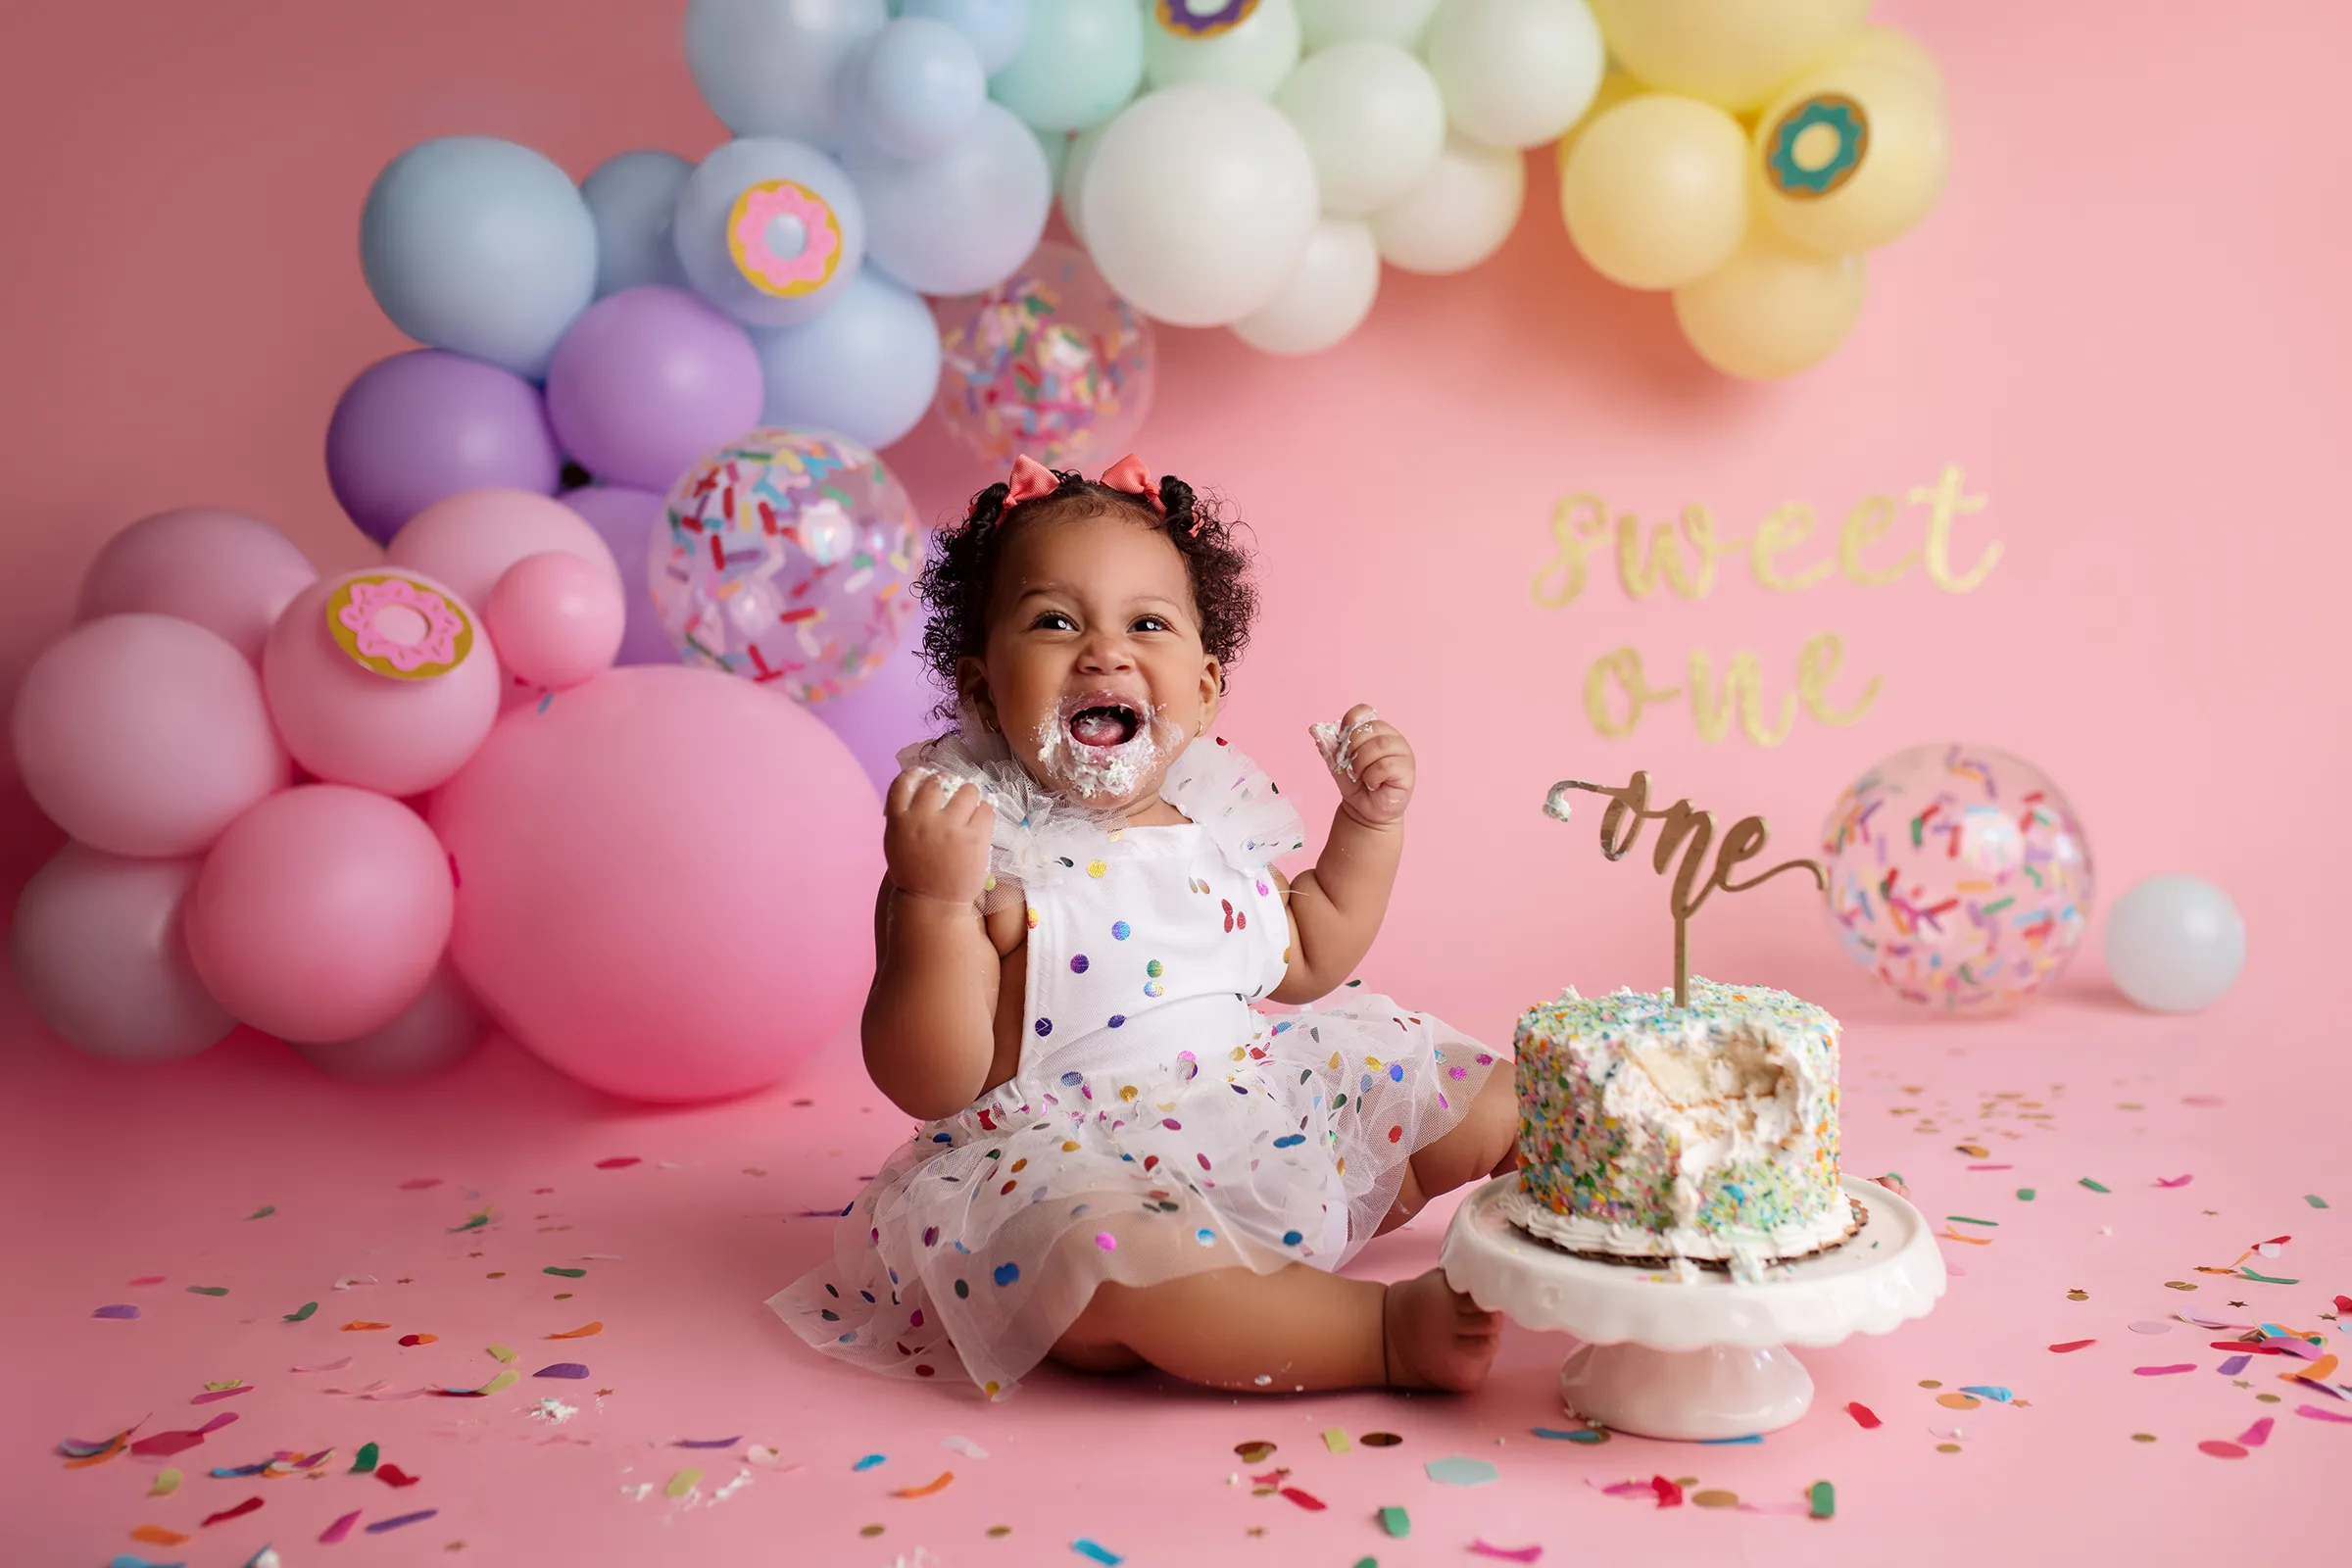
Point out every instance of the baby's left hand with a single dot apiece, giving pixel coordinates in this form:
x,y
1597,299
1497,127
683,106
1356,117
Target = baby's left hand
x,y
1371,763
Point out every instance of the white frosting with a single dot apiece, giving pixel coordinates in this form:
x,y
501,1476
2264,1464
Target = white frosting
x,y
1338,745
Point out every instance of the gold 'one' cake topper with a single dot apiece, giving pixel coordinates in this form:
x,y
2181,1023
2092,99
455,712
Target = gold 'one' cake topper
x,y
1691,831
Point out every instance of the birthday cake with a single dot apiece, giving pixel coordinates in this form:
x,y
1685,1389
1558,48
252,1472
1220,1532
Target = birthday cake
x,y
1697,1136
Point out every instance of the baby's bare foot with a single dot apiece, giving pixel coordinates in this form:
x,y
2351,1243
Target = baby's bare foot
x,y
1436,1337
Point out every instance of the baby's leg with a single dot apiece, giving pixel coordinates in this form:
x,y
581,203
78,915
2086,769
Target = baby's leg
x,y
1294,1329
1484,1142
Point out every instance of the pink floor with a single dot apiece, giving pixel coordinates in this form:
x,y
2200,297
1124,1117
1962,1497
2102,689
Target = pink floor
x,y
245,1173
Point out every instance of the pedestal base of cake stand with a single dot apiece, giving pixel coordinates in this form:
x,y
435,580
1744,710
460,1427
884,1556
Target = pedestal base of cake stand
x,y
1708,1358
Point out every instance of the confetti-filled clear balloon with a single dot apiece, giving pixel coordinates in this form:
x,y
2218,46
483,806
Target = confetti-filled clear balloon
x,y
785,557
1959,876
1049,362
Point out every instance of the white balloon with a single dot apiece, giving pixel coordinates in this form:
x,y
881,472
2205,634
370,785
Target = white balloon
x,y
1514,71
1256,54
1327,295
1074,164
1324,23
1460,211
1372,118
1198,201
2175,943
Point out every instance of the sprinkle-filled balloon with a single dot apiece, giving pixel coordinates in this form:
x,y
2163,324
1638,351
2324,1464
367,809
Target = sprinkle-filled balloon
x,y
1851,155
957,222
1457,214
769,231
144,735
418,428
625,520
381,680
480,246
2175,943
1959,876
774,68
1372,118
1049,362
867,367
228,573
1078,62
1732,53
98,953
785,558
1185,41
1326,297
1514,72
646,381
634,199
1772,310
1655,193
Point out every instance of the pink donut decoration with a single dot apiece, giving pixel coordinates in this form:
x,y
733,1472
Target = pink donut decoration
x,y
399,628
751,235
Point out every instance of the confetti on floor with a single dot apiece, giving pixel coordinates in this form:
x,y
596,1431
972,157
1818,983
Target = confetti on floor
x,y
2221,1450
963,1445
1866,1418
936,1485
1822,1499
2315,1200
868,1462
122,1311
686,1481
1379,1440
1457,1471
1506,1554
339,1528
1304,1499
400,1521
1255,1451
2093,1186
2174,1181
1397,1522
1095,1551
561,1369
239,1512
2025,1195
1336,1438
580,1333
2163,1371
2069,1347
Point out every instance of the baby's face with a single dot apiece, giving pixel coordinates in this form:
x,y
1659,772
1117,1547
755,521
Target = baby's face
x,y
1094,667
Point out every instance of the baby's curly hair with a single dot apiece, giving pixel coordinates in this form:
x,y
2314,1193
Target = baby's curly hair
x,y
961,571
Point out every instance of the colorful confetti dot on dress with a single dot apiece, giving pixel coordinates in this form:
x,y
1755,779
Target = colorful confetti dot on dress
x,y
1206,1237
1154,968
963,1290
1033,917
1118,1018
1152,988
1078,964
1291,1237
1007,1273
1096,868
1072,1080
1120,930
1045,1026
1105,1241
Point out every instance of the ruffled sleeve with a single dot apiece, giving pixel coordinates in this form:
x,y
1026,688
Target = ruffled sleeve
x,y
1250,821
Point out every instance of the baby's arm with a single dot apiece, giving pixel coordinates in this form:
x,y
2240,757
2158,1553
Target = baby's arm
x,y
1335,908
929,1027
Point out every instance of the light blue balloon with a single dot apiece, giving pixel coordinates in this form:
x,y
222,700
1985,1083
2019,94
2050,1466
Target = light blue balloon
x,y
920,83
867,368
962,221
995,26
774,68
1079,63
706,209
481,247
634,200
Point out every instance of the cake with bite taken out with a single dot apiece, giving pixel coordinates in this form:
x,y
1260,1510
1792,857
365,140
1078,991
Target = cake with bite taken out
x,y
1685,1138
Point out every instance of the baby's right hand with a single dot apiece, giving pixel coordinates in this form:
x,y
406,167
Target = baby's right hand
x,y
936,843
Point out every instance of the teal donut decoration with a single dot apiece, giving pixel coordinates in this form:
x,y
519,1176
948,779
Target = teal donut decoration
x,y
1815,177
1187,21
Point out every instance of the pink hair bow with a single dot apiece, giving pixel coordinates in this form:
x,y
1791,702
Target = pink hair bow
x,y
1129,474
1032,479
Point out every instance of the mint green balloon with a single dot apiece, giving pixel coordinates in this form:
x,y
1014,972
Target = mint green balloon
x,y
1080,62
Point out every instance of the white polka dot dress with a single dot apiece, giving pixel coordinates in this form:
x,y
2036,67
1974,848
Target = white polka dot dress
x,y
1159,1125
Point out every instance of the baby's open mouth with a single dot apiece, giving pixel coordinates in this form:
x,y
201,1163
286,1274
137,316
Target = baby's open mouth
x,y
1105,725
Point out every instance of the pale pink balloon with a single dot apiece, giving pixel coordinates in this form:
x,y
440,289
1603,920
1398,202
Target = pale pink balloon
x,y
557,619
146,735
321,914
350,723
665,882
440,1029
468,540
98,953
227,573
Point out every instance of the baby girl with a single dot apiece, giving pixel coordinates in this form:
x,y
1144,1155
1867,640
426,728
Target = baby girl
x,y
1121,1160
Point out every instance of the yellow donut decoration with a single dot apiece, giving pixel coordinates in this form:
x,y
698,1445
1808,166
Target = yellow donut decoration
x,y
399,628
784,238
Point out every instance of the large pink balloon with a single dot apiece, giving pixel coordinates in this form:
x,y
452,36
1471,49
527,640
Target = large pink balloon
x,y
146,735
228,573
664,881
98,951
469,540
440,1029
352,723
321,914
557,619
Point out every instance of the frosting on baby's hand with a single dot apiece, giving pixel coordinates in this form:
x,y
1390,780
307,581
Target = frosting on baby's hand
x,y
1333,743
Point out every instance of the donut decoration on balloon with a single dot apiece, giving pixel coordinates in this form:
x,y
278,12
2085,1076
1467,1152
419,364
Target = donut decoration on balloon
x,y
1816,146
786,558
1051,362
399,628
1203,18
784,238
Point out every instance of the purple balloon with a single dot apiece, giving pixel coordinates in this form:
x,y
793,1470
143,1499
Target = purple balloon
x,y
420,426
888,710
647,382
627,518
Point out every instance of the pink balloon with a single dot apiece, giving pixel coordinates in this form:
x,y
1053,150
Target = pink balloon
x,y
662,882
98,951
321,914
370,724
228,573
146,735
440,1029
470,539
557,619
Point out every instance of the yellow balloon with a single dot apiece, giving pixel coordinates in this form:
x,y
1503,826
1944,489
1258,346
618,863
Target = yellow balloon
x,y
1851,155
1729,52
1615,88
1772,310
1655,191
1884,46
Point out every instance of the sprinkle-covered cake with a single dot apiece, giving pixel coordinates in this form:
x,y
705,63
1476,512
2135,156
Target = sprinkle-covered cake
x,y
1698,1136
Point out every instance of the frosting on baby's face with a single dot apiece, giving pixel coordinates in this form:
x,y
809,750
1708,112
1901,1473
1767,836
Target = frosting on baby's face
x,y
1094,668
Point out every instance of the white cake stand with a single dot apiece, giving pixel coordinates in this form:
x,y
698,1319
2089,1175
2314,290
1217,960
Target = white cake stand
x,y
1662,1358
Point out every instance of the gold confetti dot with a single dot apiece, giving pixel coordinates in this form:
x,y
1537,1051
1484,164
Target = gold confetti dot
x,y
2077,1296
1715,1498
2143,1436
2267,1399
870,1531
1977,1150
1931,1383
497,1274
1255,1451
1947,1447
563,1295
1379,1440
1096,868
1685,1481
1958,1401
998,1532
2179,1285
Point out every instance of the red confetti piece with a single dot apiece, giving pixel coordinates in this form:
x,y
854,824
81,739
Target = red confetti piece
x,y
1304,1499
2219,1449
392,1474
420,1339
166,1443
619,1162
2176,1181
1669,1494
239,1512
2163,1371
1506,1554
339,1528
2343,1304
2072,1346
2255,1436
2318,1414
1993,1168
420,1184
1864,1416
158,1279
